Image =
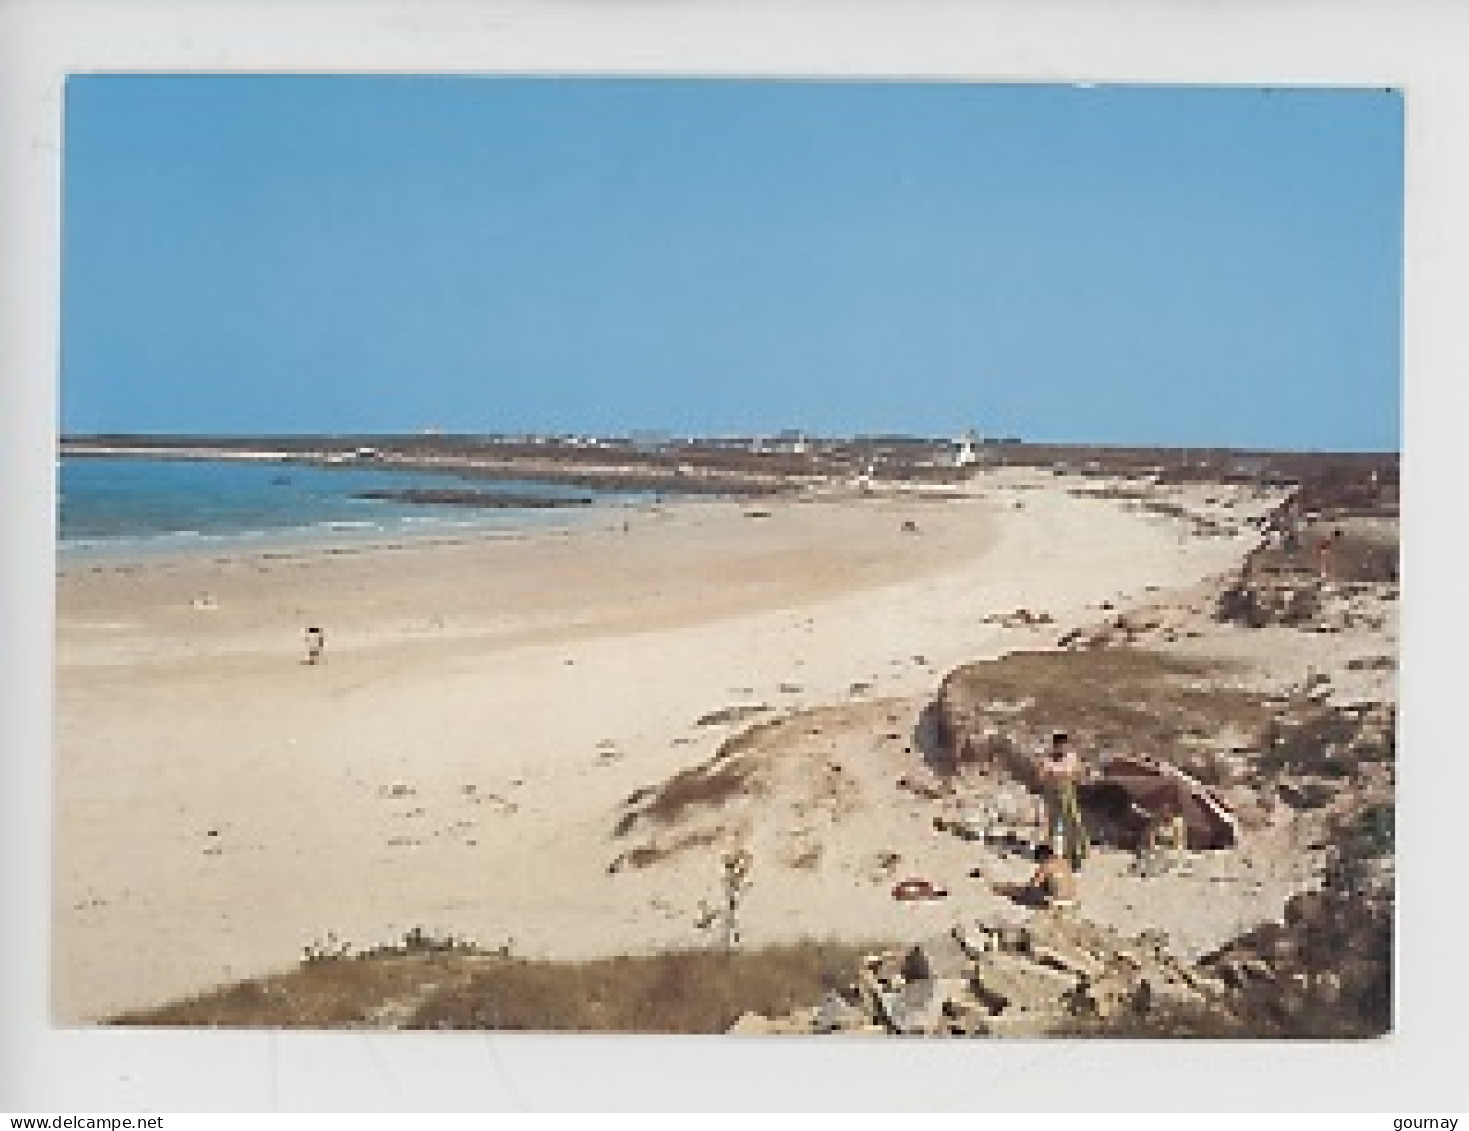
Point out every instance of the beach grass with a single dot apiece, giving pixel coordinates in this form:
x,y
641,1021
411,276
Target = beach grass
x,y
1120,696
685,992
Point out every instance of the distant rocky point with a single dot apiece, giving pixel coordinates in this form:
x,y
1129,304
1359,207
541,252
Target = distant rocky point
x,y
490,500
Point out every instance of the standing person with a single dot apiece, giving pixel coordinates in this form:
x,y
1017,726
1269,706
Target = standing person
x,y
1286,520
1060,769
736,882
315,645
1331,554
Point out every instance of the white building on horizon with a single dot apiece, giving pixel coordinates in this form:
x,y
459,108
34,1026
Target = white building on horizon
x,y
968,453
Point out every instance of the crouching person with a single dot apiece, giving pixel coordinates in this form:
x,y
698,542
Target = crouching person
x,y
1164,840
1053,884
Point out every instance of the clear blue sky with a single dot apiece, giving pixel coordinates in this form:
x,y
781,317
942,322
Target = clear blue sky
x,y
1129,265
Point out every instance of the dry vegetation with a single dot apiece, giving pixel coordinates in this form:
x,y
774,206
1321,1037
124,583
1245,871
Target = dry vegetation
x,y
781,773
1314,745
728,773
1323,974
675,992
645,855
1118,698
334,994
1249,747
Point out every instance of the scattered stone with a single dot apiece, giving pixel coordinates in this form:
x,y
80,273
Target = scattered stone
x,y
1166,990
974,939
966,826
967,1017
1067,959
1108,995
757,1024
917,1008
837,1014
735,714
1008,979
884,864
933,791
1003,980
1154,942
938,957
1019,618
1026,1021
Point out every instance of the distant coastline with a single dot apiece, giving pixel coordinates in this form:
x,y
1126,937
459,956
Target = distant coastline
x,y
398,475
608,469
750,465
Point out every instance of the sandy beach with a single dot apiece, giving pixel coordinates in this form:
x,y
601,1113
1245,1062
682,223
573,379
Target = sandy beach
x,y
461,758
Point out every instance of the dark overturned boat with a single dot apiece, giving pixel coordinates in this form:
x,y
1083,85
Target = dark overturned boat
x,y
1131,787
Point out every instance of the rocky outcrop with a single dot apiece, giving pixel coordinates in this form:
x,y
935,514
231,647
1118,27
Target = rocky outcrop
x,y
1323,575
1325,971
998,979
1299,599
1269,595
485,500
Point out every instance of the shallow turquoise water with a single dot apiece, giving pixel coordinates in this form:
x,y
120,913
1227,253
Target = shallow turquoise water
x,y
169,504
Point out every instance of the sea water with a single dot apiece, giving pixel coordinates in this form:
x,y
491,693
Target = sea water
x,y
136,504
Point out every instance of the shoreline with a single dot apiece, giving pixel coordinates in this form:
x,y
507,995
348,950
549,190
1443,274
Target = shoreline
x,y
417,511
286,543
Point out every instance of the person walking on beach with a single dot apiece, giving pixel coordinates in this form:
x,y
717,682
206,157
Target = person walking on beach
x,y
315,645
1060,769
